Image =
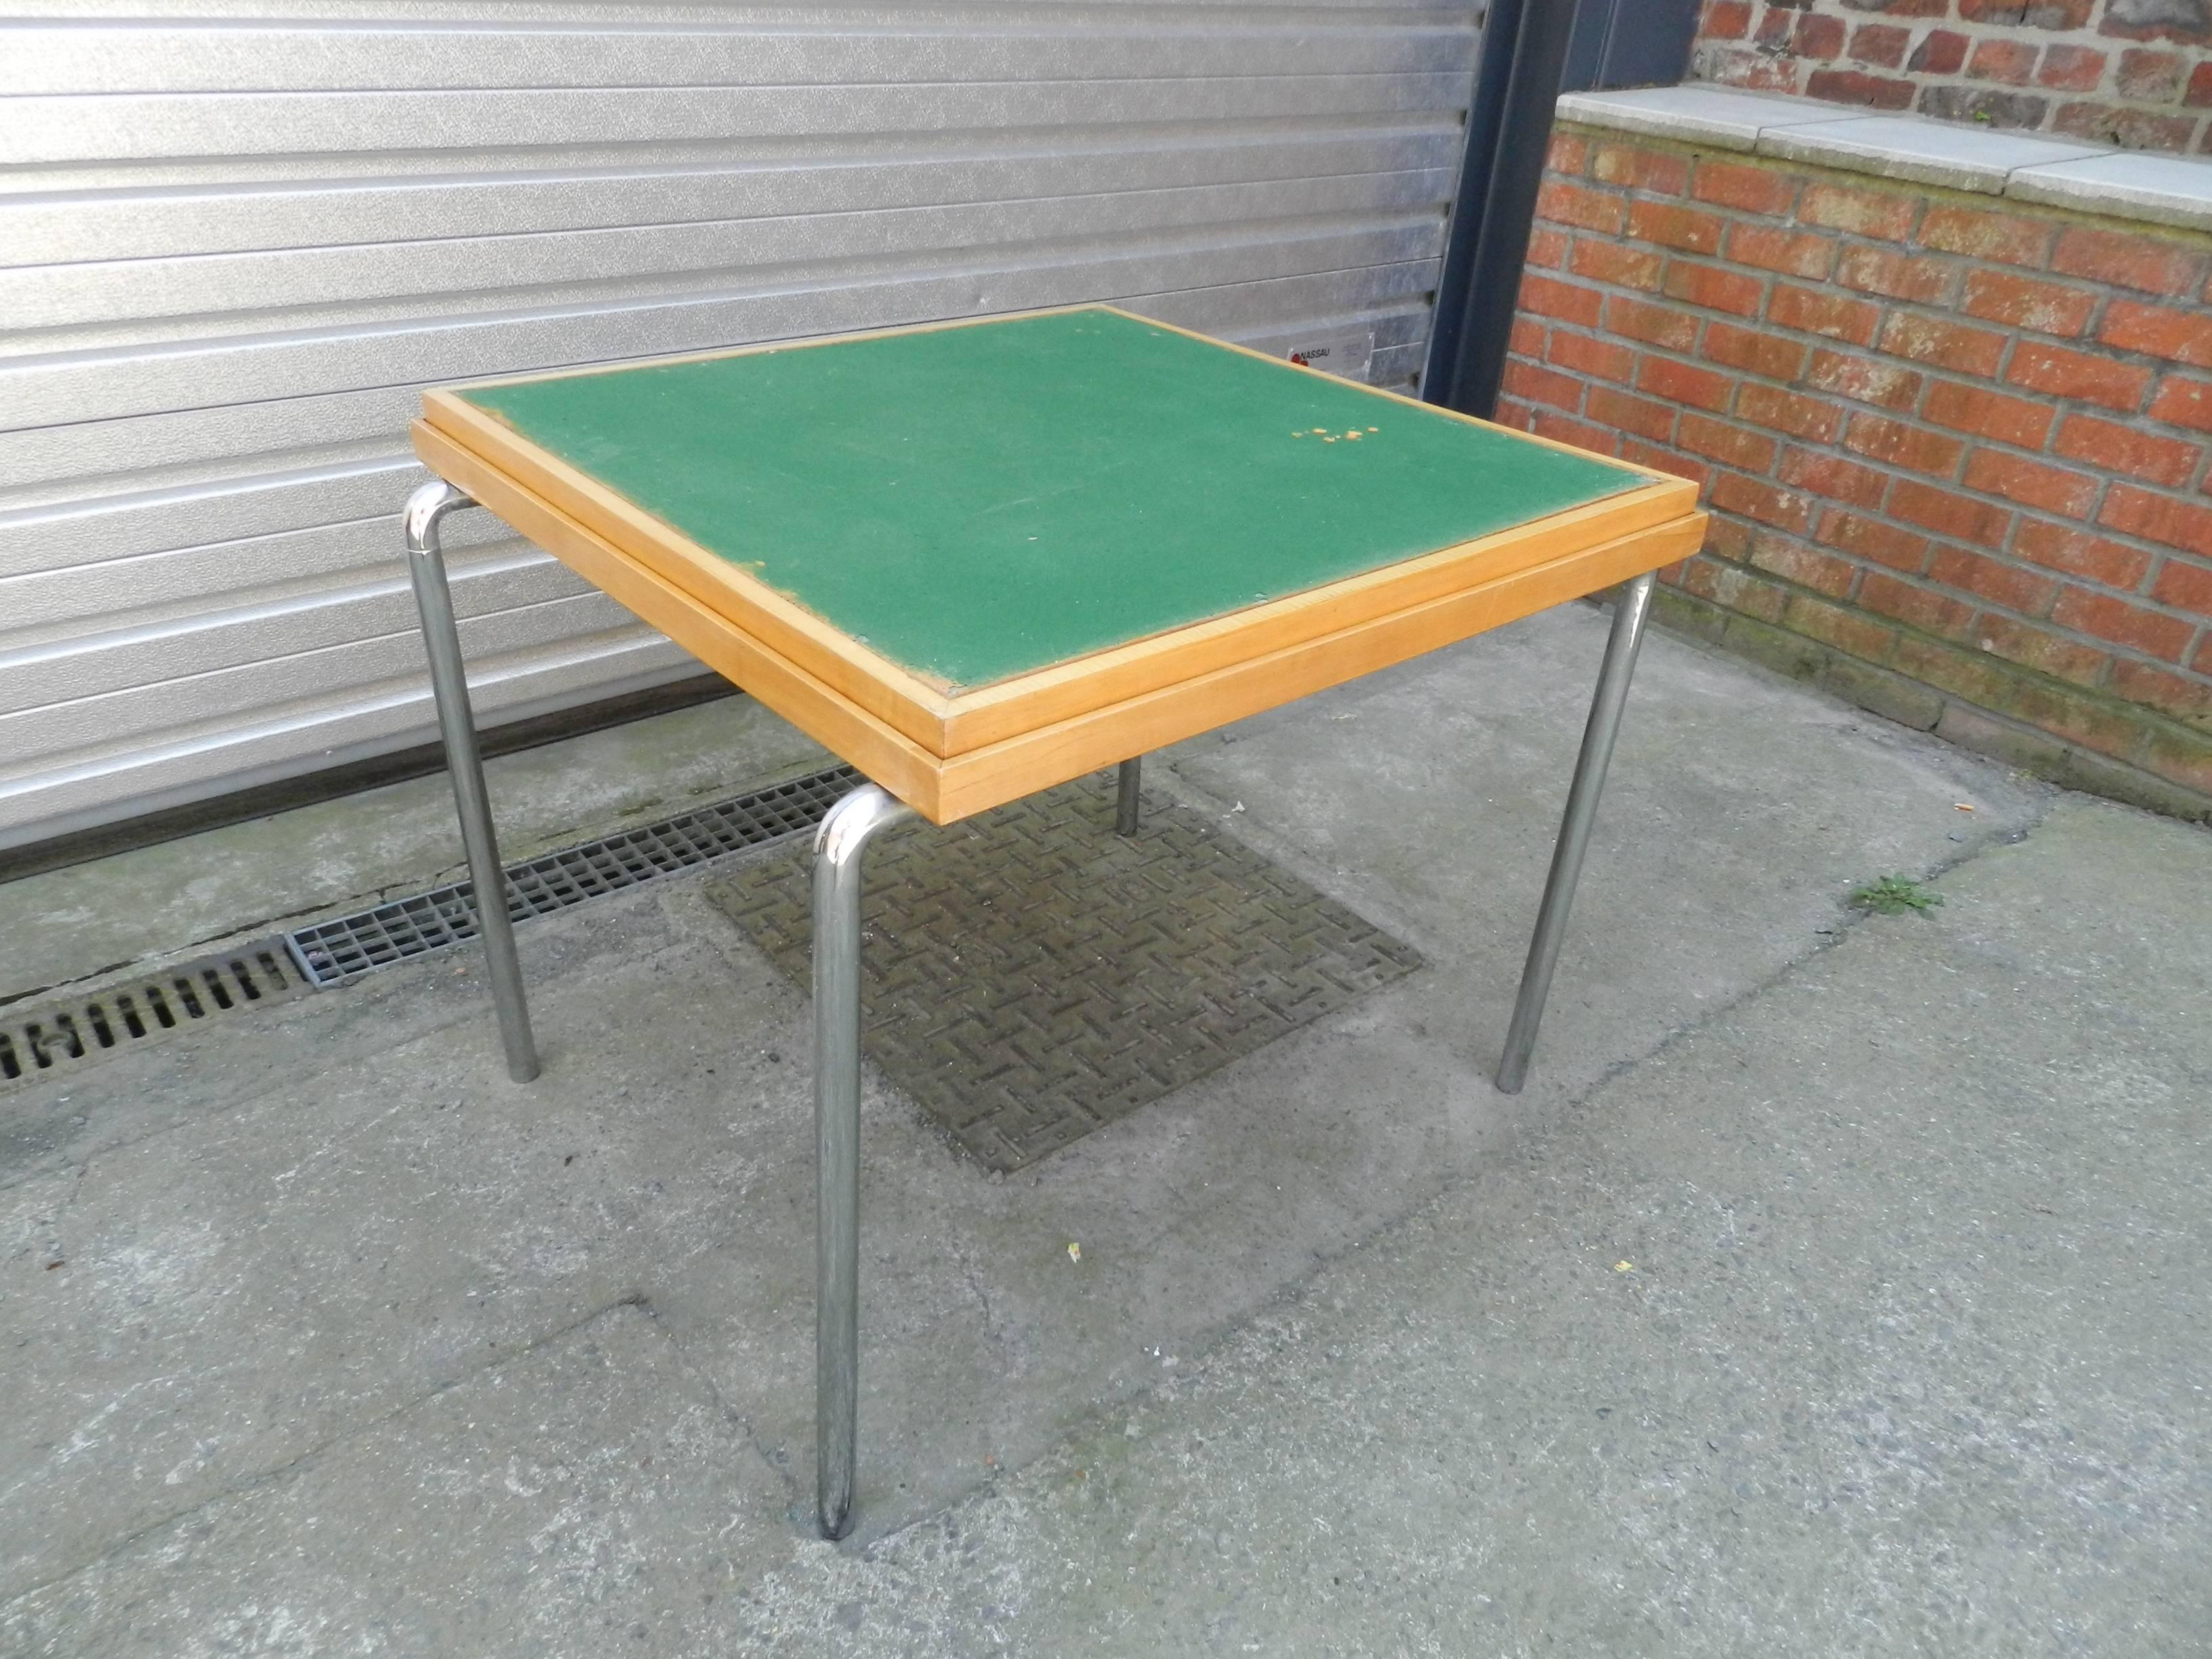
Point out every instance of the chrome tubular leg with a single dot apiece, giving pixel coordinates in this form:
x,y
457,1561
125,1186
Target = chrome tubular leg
x,y
1620,647
839,845
426,568
1127,806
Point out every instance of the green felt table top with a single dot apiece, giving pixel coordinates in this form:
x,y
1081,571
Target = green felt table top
x,y
976,502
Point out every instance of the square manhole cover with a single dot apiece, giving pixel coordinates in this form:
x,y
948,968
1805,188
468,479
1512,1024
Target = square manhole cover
x,y
1030,975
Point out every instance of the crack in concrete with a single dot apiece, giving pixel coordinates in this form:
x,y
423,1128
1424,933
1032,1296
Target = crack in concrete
x,y
148,962
184,1044
1207,1351
79,1174
1851,922
53,1223
565,839
994,1330
1203,1350
1303,862
777,1464
427,1019
1375,905
308,1455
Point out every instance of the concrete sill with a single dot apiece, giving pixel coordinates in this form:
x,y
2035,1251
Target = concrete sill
x,y
2165,190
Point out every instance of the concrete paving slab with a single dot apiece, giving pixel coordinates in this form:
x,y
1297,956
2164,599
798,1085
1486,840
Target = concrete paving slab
x,y
587,1498
138,1092
1174,1215
1870,1318
281,1270
254,1283
665,1155
1738,814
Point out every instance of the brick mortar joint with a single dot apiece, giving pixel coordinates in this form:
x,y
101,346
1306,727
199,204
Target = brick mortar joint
x,y
1906,309
1933,371
2082,768
1981,604
1854,179
1787,46
2090,523
2012,336
2108,703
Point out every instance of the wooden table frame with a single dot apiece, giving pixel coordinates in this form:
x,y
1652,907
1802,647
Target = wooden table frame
x,y
944,752
948,752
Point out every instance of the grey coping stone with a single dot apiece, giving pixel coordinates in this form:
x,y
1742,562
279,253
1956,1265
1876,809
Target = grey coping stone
x,y
1712,115
2168,190
1924,152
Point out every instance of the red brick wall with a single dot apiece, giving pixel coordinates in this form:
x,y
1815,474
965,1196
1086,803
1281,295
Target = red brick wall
x,y
2135,73
1956,453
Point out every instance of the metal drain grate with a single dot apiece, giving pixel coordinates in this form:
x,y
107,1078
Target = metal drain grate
x,y
57,1035
331,953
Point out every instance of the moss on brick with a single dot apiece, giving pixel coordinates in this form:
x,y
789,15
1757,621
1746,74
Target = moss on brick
x,y
2165,758
2037,645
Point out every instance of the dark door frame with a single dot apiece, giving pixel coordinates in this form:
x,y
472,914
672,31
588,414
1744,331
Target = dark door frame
x,y
1532,51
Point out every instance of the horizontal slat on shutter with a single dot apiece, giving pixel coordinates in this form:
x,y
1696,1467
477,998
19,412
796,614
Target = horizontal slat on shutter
x,y
238,237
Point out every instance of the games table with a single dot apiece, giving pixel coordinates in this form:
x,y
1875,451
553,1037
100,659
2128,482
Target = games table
x,y
980,559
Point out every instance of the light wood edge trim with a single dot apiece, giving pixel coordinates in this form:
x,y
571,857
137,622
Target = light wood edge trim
x,y
799,342
951,724
993,712
982,779
939,325
885,753
947,723
1399,398
884,688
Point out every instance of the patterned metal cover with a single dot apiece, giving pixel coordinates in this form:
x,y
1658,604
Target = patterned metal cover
x,y
1031,974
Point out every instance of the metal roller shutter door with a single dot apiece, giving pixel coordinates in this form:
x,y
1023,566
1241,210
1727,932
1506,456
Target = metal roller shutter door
x,y
236,239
